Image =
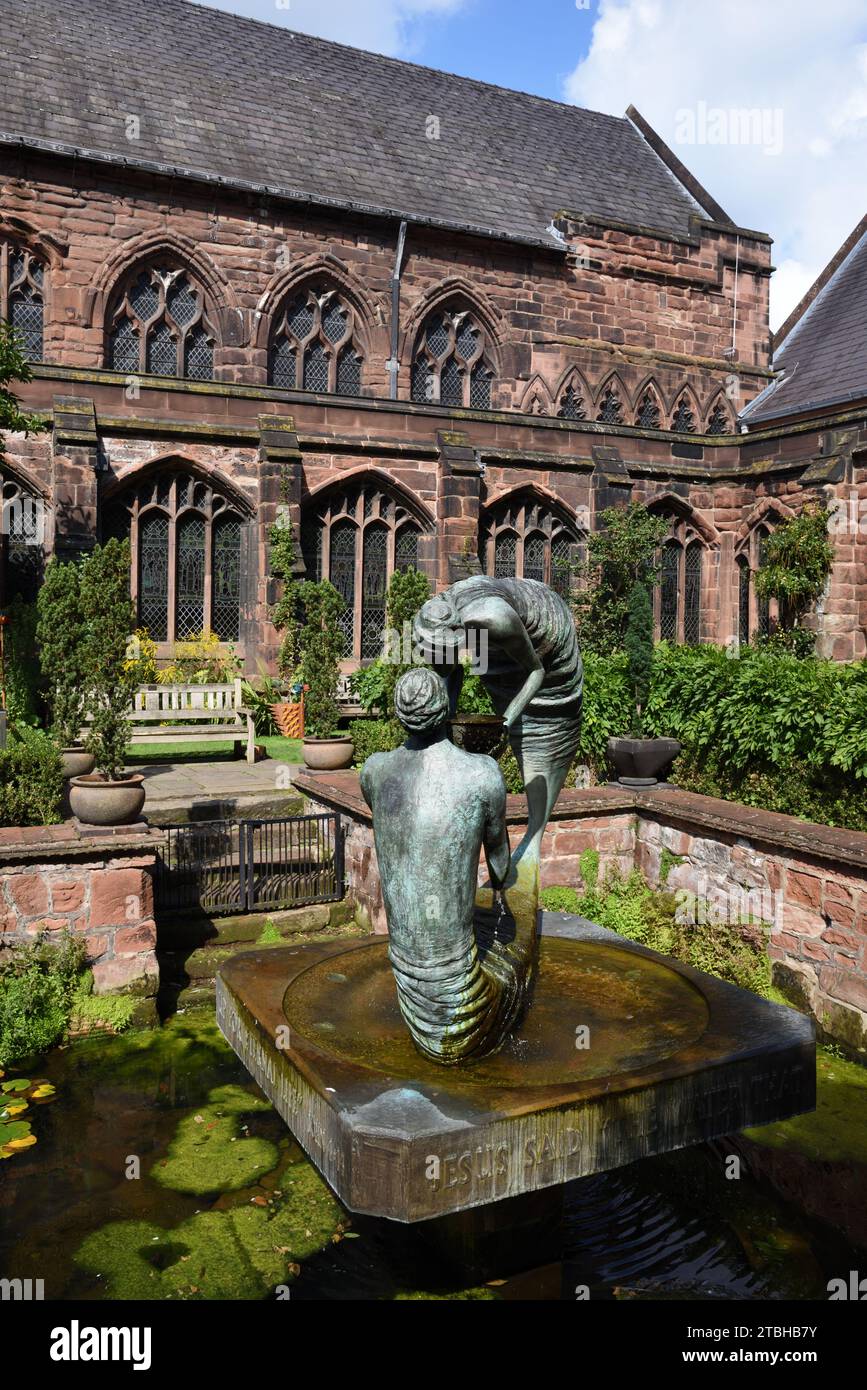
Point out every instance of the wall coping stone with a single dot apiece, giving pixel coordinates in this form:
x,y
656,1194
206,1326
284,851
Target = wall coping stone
x,y
341,792
50,843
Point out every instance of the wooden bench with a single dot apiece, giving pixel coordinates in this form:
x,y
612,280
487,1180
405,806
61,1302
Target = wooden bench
x,y
192,714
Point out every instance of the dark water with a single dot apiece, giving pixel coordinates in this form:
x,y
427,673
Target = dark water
x,y
662,1228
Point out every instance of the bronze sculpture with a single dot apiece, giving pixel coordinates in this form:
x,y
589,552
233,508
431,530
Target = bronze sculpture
x,y
463,983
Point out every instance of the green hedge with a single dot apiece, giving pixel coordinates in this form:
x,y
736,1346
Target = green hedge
x,y
30,778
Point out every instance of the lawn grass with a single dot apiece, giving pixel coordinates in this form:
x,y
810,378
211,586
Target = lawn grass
x,y
284,750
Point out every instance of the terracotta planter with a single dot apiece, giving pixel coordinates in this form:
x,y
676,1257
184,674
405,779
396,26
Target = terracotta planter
x,y
642,762
98,802
478,733
327,754
76,762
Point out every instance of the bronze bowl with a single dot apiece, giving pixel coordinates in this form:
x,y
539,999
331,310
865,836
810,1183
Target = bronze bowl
x,y
478,733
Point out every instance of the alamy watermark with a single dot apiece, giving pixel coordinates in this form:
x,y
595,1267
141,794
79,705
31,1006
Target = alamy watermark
x,y
759,126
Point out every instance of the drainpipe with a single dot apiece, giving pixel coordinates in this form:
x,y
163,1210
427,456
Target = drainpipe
x,y
392,365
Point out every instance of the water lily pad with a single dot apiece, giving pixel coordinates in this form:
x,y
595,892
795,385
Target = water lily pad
x,y
17,1084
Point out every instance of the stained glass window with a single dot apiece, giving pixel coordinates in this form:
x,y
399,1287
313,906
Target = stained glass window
x,y
669,591
692,594
226,583
451,363
610,409
572,405
159,324
357,537
314,343
342,576
648,416
190,580
373,597
153,581
22,277
186,563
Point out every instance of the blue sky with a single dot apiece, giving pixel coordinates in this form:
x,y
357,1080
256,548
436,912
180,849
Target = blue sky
x,y
765,102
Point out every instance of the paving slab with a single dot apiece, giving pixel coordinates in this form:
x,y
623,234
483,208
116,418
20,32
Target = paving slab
x,y
179,792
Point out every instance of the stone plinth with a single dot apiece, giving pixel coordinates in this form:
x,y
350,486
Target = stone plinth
x,y
622,1054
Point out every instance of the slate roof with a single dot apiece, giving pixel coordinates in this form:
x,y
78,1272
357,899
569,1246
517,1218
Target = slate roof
x,y
257,104
824,355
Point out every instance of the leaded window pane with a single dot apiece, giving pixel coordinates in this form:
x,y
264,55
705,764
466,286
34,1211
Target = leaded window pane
x,y
684,420
610,412
763,605
668,592
198,356
534,558
226,582
25,315
283,363
153,582
123,347
572,405
406,549
451,383
423,387
480,388
561,565
300,318
190,576
374,590
162,351
466,340
315,368
342,576
718,422
437,336
692,594
648,412
144,297
311,550
505,555
349,373
182,302
334,322
743,598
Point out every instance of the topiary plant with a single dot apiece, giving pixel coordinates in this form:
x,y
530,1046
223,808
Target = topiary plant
x,y
321,642
639,652
109,618
60,634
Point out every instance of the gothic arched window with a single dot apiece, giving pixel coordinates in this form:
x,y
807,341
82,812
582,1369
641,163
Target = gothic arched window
x,y
648,416
754,612
22,297
683,420
452,363
572,405
719,421
523,538
314,344
610,407
22,537
159,325
185,539
678,595
357,537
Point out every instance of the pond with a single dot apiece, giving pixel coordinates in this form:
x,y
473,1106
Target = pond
x,y
160,1172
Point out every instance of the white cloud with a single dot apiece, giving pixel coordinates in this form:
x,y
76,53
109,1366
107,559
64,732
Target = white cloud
x,y
381,26
801,65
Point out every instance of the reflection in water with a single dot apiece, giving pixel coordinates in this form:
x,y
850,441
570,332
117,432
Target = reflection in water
x,y
670,1227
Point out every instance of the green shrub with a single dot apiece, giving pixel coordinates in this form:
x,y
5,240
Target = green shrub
x,y
559,900
23,676
625,550
321,646
109,619
796,562
30,778
374,736
60,634
474,698
638,645
37,988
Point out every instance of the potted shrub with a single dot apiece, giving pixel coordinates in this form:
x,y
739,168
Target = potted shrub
x,y
637,760
60,636
106,796
321,644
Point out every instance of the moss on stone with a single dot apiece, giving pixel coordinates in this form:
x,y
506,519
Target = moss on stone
x,y
210,1152
240,1254
836,1131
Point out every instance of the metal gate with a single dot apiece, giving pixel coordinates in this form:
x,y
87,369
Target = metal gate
x,y
250,865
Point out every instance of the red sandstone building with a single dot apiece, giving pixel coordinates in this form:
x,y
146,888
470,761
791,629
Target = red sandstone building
x,y
443,323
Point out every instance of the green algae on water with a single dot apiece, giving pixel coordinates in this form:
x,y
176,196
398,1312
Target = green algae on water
x,y
836,1131
211,1153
